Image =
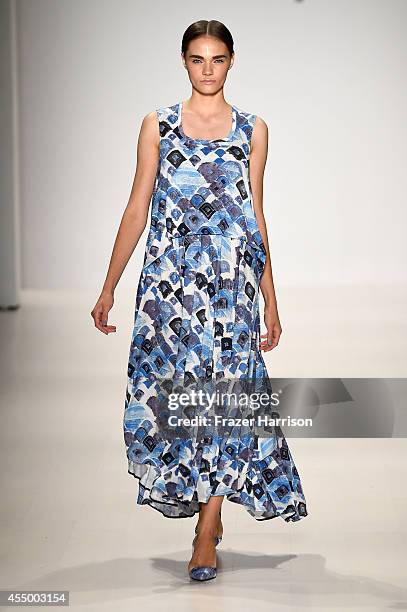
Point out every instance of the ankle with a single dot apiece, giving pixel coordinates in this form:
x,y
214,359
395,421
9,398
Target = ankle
x,y
205,529
205,524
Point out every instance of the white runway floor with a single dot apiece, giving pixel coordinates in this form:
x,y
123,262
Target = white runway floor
x,y
69,520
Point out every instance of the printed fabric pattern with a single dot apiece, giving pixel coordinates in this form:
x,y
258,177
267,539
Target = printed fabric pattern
x,y
197,316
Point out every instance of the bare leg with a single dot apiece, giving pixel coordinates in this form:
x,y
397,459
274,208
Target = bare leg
x,y
209,525
209,515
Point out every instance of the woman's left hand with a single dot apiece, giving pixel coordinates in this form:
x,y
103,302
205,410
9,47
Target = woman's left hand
x,y
273,325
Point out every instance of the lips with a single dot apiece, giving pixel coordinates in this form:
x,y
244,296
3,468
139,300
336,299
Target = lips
x,y
208,82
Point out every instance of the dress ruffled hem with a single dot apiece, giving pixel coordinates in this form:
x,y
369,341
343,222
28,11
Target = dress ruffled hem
x,y
174,483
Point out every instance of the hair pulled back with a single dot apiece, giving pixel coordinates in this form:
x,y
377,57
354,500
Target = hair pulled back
x,y
211,28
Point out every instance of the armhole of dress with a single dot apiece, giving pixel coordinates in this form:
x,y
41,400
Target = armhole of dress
x,y
158,115
158,112
252,121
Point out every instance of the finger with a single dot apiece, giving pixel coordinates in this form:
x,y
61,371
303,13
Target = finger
x,y
264,343
271,338
277,335
104,317
269,343
98,320
104,322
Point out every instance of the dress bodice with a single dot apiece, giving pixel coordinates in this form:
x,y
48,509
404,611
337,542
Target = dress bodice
x,y
202,186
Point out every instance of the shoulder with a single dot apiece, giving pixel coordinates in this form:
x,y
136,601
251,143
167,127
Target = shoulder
x,y
167,113
251,123
149,120
161,113
152,124
149,129
260,129
163,119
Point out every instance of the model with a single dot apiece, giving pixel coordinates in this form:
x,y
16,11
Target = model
x,y
197,301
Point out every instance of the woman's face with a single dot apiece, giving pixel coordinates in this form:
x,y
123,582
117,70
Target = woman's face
x,y
207,61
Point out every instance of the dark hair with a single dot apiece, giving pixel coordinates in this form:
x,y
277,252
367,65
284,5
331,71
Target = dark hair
x,y
211,28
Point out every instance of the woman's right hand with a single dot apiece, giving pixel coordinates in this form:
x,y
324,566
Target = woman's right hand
x,y
100,313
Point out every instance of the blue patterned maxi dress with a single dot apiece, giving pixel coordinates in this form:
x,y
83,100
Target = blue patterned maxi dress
x,y
197,312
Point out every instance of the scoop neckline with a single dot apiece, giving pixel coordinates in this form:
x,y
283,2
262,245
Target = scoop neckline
x,y
181,129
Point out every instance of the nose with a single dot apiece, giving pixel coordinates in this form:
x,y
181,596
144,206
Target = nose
x,y
207,68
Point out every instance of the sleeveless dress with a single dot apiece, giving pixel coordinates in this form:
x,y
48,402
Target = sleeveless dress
x,y
197,314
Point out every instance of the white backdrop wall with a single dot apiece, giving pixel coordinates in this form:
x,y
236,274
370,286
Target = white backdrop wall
x,y
328,77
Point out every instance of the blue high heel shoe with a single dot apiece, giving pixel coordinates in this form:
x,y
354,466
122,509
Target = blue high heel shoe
x,y
204,572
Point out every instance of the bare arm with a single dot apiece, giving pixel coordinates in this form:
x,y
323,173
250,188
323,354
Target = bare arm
x,y
258,158
134,218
